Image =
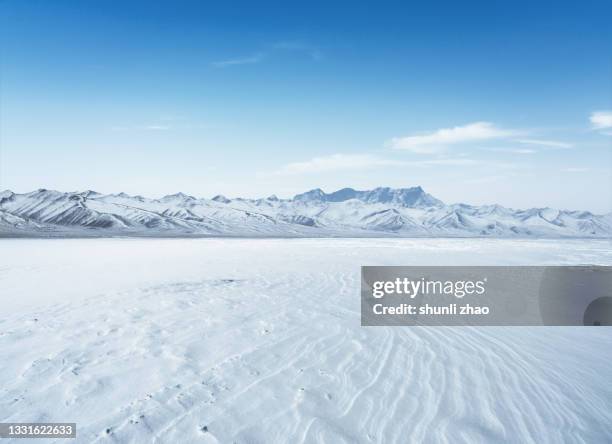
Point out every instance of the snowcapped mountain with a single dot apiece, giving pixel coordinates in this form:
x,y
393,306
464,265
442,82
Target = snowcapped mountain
x,y
408,197
347,212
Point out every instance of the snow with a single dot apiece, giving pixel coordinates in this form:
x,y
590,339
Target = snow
x,y
259,340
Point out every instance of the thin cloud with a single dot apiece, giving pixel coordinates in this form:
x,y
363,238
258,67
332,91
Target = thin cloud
x,y
310,50
250,60
337,162
152,127
486,179
163,123
575,170
156,127
545,143
513,150
444,161
435,141
601,119
353,162
284,46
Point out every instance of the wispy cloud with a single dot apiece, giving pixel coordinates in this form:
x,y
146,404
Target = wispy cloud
x,y
283,46
545,143
575,170
601,120
310,50
163,124
486,179
337,162
156,127
513,150
152,127
249,60
352,162
437,140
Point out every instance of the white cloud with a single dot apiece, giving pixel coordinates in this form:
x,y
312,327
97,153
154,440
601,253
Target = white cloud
x,y
337,162
575,170
601,119
156,127
152,127
351,162
250,60
270,52
435,141
545,143
313,52
513,150
444,161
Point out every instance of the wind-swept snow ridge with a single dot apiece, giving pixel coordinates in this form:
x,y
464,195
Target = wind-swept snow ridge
x,y
403,212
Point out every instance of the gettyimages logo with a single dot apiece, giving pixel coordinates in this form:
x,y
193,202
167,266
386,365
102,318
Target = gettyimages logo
x,y
413,288
579,295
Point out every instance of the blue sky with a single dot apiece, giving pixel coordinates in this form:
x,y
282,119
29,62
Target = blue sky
x,y
479,102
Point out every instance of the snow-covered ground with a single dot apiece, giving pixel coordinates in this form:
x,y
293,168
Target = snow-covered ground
x,y
259,341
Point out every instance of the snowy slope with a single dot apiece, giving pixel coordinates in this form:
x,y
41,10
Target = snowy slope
x,y
347,212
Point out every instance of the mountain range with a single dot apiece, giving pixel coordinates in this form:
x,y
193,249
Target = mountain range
x,y
403,212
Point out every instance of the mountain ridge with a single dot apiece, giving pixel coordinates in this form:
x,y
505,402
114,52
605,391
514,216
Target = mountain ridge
x,y
382,211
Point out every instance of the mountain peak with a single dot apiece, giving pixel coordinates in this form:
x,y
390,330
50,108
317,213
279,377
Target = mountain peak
x,y
408,197
316,194
88,193
6,196
221,198
177,196
46,193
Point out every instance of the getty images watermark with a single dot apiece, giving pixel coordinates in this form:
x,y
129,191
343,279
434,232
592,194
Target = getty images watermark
x,y
572,295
